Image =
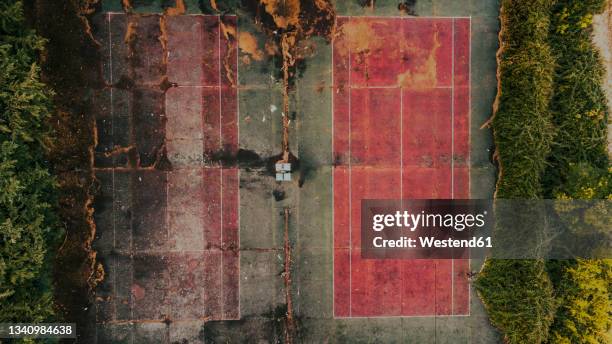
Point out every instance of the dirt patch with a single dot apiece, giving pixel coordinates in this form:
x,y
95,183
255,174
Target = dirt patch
x,y
284,13
424,74
602,37
359,37
248,44
71,67
288,25
290,324
178,9
407,7
127,5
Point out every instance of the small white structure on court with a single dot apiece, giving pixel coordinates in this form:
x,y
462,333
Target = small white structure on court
x,y
283,172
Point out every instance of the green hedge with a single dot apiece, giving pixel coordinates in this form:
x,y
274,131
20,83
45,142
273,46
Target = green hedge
x,y
522,125
579,105
27,220
582,316
583,286
519,298
518,294
579,167
554,148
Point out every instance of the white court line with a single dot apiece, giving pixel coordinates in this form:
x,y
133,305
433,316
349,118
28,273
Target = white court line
x,y
404,17
238,176
401,146
160,14
368,16
402,316
350,190
221,167
401,90
453,110
469,159
393,87
333,171
453,153
112,110
197,86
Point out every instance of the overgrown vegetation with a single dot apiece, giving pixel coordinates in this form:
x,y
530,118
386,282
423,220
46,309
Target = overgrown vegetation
x,y
550,131
582,288
522,124
518,293
519,298
579,167
28,226
579,106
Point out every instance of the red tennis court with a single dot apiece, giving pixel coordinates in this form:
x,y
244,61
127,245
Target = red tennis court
x,y
400,130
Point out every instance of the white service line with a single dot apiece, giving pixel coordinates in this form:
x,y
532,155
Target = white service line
x,y
453,152
350,191
220,168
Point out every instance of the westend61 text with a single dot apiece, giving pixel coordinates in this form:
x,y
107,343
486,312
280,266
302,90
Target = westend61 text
x,y
432,242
